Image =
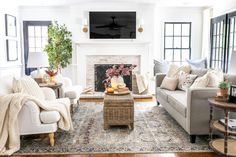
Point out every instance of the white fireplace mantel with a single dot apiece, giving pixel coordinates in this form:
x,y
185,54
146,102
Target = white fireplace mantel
x,y
109,49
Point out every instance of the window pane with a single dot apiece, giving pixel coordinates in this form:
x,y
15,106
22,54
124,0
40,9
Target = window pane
x,y
177,29
185,29
177,55
185,42
169,29
185,54
31,31
31,49
38,42
45,31
232,25
31,42
177,42
38,31
169,55
38,49
169,42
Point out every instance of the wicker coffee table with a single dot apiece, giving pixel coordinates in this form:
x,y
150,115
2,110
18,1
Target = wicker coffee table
x,y
118,110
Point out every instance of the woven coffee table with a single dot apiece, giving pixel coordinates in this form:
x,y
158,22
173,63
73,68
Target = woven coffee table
x,y
118,110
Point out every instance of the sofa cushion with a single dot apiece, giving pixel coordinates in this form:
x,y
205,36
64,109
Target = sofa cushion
x,y
215,77
178,100
199,72
49,117
169,83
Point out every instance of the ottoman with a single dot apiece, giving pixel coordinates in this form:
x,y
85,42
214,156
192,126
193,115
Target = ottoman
x,y
118,110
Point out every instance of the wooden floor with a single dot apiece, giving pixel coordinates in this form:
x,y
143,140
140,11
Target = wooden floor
x,y
200,154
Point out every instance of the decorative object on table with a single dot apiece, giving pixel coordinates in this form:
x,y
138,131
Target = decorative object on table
x,y
10,22
37,60
51,73
232,97
224,88
115,75
59,47
231,123
12,50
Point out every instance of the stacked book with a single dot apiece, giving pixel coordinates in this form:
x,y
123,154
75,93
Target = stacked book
x,y
231,123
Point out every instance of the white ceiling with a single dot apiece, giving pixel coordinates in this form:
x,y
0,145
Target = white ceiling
x,y
183,3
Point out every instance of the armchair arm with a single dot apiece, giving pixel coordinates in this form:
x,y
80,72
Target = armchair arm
x,y
198,110
48,93
66,82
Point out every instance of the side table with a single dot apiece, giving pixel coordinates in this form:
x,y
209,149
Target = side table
x,y
224,146
56,87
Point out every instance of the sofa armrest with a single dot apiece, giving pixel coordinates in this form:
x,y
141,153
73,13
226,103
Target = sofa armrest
x,y
159,78
198,110
48,93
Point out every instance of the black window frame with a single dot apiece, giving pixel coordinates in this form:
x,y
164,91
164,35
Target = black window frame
x,y
26,40
181,36
224,51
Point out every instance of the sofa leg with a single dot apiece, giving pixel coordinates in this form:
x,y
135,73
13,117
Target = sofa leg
x,y
192,138
158,103
51,139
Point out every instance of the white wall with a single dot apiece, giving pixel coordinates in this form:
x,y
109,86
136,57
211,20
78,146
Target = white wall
x,y
72,16
9,67
223,7
153,16
172,14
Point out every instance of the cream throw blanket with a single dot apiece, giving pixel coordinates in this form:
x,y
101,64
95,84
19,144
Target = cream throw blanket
x,y
10,106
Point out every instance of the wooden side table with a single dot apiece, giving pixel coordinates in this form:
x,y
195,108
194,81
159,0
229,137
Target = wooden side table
x,y
118,110
56,87
224,146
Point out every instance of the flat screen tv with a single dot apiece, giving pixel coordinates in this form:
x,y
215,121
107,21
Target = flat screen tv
x,y
112,25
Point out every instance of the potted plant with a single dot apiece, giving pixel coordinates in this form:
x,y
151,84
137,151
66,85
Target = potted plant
x,y
59,47
224,88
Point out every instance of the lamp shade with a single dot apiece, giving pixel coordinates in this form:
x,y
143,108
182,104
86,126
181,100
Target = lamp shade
x,y
37,60
232,63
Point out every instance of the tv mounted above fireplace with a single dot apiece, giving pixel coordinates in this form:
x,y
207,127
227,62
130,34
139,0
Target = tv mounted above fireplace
x,y
112,25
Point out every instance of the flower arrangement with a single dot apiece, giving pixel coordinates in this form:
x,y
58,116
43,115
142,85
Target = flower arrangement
x,y
117,70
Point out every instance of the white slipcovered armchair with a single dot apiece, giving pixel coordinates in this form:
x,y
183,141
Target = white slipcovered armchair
x,y
31,119
70,91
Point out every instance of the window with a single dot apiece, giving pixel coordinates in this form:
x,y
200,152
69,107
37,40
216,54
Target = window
x,y
35,38
177,42
223,40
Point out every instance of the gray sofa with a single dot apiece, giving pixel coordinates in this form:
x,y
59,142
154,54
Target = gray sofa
x,y
190,109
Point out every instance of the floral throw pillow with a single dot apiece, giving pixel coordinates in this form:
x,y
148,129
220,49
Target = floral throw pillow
x,y
185,80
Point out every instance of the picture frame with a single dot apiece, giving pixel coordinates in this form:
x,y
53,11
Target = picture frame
x,y
10,22
12,50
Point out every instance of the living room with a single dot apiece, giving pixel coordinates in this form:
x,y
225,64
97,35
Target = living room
x,y
118,77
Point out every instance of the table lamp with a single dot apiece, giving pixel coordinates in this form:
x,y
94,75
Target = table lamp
x,y
37,60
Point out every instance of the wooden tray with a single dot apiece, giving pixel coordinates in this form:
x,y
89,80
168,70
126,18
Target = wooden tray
x,y
120,93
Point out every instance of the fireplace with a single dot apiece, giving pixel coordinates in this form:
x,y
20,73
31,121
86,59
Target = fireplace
x,y
100,75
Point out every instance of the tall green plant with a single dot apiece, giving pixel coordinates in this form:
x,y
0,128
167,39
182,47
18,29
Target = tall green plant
x,y
59,47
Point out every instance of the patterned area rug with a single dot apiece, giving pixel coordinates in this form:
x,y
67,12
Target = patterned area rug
x,y
154,131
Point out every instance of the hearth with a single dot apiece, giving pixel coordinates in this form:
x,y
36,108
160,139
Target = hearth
x,y
100,75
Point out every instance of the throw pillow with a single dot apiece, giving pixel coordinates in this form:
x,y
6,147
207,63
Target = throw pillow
x,y
199,72
29,86
185,80
201,82
169,83
160,66
200,64
215,77
175,69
